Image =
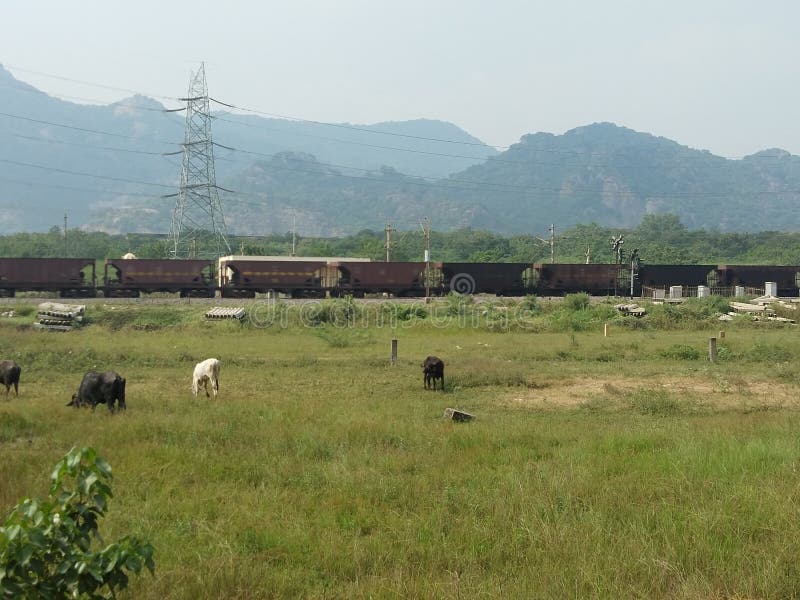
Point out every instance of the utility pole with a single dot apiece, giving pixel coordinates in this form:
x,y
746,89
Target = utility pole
x,y
551,242
426,231
388,244
65,236
294,230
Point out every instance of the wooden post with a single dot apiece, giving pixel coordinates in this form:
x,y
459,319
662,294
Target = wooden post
x,y
605,330
722,335
394,352
712,349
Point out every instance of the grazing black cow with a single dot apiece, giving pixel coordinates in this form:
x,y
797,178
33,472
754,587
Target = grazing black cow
x,y
100,388
433,369
9,375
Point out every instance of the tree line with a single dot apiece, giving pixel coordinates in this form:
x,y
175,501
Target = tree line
x,y
660,239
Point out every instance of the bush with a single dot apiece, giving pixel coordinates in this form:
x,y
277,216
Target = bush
x,y
576,302
45,547
681,352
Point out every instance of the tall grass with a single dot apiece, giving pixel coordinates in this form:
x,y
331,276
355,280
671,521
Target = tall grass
x,y
323,472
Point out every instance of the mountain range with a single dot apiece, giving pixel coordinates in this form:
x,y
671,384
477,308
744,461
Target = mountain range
x,y
117,167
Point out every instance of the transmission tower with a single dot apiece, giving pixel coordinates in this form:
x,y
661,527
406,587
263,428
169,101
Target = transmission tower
x,y
198,225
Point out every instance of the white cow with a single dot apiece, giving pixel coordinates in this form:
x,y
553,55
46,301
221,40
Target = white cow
x,y
204,373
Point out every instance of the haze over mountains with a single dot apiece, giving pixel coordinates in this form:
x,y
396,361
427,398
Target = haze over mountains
x,y
109,167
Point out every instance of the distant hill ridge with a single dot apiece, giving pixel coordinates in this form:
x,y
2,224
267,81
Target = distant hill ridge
x,y
333,180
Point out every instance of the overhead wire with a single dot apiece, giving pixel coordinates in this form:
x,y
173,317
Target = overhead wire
x,y
416,180
354,127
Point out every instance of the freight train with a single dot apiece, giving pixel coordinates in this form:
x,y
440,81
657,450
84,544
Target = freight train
x,y
245,276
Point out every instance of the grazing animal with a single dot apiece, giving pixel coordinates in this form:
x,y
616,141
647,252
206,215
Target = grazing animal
x,y
204,373
9,375
433,369
100,388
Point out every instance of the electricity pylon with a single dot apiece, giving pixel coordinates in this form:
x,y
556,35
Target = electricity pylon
x,y
198,225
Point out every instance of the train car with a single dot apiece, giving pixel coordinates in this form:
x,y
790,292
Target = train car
x,y
243,278
70,277
396,278
594,279
501,279
665,276
129,278
787,278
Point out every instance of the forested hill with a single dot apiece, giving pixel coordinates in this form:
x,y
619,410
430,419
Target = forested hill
x,y
614,176
110,164
114,168
599,173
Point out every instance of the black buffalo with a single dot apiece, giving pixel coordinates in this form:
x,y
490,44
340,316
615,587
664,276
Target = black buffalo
x,y
433,369
9,375
100,388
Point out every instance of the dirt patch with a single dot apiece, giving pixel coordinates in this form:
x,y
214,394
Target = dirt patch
x,y
718,393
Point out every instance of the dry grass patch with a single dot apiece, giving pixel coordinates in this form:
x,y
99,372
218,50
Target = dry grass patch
x,y
719,393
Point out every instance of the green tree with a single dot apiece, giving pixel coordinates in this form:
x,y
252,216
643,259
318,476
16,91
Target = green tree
x,y
46,547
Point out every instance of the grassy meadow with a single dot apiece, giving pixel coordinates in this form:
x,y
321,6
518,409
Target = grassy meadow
x,y
626,466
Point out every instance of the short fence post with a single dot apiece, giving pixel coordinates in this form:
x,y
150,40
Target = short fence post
x,y
712,349
605,330
394,352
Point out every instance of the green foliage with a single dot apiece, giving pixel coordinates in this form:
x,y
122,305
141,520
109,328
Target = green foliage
x,y
458,304
403,312
339,312
530,303
680,352
575,302
342,337
661,238
770,353
147,318
46,547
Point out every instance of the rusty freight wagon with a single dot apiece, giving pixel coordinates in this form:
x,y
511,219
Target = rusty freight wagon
x,y
69,277
396,278
132,277
663,277
244,278
594,279
787,278
501,279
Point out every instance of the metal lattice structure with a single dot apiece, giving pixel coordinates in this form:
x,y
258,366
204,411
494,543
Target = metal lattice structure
x,y
198,225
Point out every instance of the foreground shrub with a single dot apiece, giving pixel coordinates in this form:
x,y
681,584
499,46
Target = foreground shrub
x,y
681,352
46,547
576,302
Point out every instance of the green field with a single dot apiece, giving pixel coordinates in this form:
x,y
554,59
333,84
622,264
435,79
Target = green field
x,y
626,466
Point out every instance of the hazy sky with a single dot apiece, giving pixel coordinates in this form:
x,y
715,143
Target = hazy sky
x,y
719,75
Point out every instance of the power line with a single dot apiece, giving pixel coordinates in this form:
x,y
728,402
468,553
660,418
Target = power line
x,y
525,190
72,188
341,125
94,101
91,84
68,172
62,142
74,128
354,128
